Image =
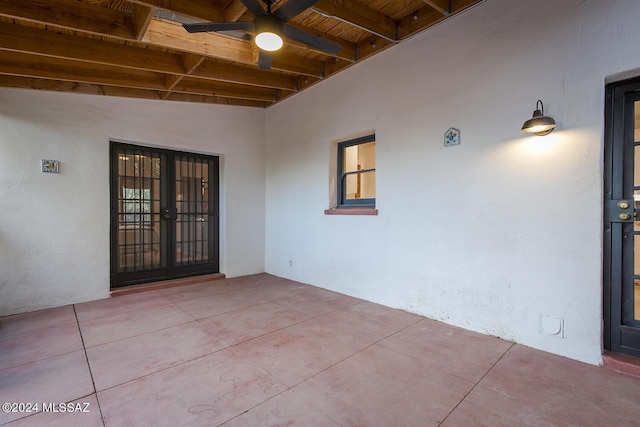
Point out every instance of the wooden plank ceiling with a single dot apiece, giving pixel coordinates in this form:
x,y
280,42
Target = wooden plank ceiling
x,y
138,48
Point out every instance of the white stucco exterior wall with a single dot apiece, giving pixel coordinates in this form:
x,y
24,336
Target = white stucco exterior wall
x,y
489,235
54,228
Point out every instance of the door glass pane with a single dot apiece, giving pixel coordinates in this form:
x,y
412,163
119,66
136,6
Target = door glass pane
x,y
192,203
138,237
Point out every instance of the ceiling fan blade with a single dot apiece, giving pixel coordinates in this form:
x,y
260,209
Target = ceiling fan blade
x,y
238,34
254,7
311,40
264,60
202,27
292,8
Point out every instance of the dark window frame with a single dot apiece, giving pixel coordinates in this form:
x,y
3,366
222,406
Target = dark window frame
x,y
342,181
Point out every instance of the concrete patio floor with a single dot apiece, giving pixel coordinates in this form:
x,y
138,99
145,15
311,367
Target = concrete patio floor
x,y
264,351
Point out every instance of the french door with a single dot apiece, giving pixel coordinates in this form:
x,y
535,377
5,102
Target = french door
x,y
622,218
164,214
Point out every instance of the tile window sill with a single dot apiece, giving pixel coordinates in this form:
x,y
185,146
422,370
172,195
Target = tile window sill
x,y
351,211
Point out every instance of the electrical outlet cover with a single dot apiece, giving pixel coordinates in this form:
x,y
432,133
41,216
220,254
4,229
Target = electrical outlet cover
x,y
553,326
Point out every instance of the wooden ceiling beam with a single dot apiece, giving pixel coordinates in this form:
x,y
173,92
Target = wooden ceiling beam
x,y
366,48
21,65
142,16
169,34
336,66
172,35
419,20
225,90
295,64
18,38
184,97
428,16
348,52
198,9
234,11
191,62
74,87
221,71
442,6
73,15
93,89
18,64
358,15
172,81
372,45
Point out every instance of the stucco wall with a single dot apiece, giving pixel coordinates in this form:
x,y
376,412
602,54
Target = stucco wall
x,y
490,235
54,228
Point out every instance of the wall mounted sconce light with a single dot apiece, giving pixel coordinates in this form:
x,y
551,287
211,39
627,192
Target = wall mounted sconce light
x,y
539,124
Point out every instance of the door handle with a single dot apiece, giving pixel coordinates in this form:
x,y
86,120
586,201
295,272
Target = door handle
x,y
169,213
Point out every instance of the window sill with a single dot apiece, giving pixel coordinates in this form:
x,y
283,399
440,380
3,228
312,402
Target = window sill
x,y
351,211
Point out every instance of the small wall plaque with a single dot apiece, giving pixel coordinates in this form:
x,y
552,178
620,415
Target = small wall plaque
x,y
51,166
451,137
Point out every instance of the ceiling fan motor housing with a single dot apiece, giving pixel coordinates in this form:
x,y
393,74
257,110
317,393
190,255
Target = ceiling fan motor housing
x,y
269,24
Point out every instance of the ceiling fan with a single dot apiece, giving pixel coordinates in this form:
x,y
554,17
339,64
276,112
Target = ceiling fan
x,y
270,27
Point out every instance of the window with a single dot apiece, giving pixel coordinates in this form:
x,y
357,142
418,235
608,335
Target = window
x,y
357,172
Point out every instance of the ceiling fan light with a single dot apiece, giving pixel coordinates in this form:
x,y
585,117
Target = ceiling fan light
x,y
269,41
269,30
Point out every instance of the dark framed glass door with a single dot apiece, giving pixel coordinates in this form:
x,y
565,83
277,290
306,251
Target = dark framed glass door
x,y
164,214
622,218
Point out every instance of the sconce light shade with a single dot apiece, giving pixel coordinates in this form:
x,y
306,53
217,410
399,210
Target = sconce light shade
x,y
539,124
269,32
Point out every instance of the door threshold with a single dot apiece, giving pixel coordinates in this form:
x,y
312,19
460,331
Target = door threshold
x,y
134,289
622,363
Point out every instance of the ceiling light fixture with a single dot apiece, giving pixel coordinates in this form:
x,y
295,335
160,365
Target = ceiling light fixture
x,y
269,30
539,124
